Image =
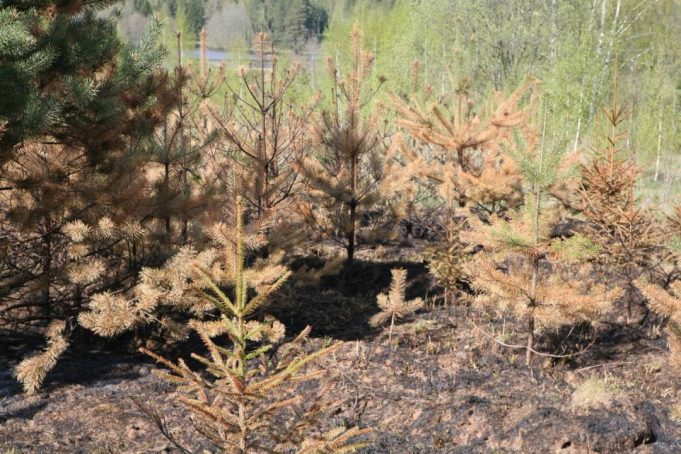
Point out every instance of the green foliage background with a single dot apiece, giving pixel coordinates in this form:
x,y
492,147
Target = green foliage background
x,y
572,47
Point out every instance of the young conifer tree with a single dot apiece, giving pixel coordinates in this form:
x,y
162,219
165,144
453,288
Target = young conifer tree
x,y
353,171
73,80
248,400
184,186
471,170
72,155
393,304
625,233
72,235
447,260
666,304
468,167
264,129
522,268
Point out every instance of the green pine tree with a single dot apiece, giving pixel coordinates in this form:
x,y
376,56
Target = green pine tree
x,y
64,73
77,107
523,269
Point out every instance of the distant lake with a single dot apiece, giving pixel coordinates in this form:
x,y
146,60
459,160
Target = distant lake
x,y
307,59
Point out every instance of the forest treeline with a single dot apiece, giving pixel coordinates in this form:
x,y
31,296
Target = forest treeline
x,y
291,24
138,190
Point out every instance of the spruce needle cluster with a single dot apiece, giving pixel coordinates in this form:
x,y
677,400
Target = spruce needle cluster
x,y
666,303
393,304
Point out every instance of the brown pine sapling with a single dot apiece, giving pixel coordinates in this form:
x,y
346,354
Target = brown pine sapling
x,y
468,168
353,171
183,183
666,303
522,268
249,400
447,260
264,131
625,233
393,304
471,169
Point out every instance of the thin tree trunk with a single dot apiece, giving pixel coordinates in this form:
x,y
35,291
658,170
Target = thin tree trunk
x,y
630,288
425,62
392,324
242,427
579,127
530,341
659,146
354,170
180,133
262,142
46,270
442,72
535,259
613,35
351,233
240,341
166,190
554,34
599,53
668,175
185,221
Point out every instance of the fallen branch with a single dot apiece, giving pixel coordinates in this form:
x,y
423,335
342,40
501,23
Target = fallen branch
x,y
620,363
524,347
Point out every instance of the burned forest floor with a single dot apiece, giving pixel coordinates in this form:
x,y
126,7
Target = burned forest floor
x,y
441,384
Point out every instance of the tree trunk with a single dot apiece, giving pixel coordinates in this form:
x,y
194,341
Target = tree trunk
x,y
166,195
535,260
351,234
630,288
599,53
186,195
46,271
530,341
354,170
668,175
659,146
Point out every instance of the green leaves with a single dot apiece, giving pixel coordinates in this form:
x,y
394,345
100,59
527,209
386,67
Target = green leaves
x,y
257,352
82,90
575,249
503,232
674,245
541,164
